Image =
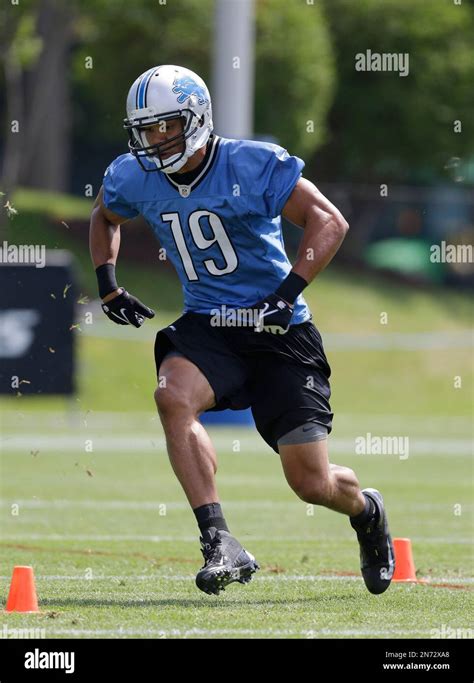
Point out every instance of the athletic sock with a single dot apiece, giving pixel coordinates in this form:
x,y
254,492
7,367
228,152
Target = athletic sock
x,y
210,515
370,512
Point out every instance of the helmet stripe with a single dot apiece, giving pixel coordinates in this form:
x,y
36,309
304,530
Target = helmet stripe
x,y
142,88
141,80
136,91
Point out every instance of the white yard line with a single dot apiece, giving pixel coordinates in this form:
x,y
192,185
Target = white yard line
x,y
143,505
93,445
61,503
165,633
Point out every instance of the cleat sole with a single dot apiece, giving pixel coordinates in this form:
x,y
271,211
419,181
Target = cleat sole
x,y
214,582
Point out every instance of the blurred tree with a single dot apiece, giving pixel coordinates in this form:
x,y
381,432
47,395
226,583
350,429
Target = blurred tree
x,y
294,74
36,39
19,47
388,126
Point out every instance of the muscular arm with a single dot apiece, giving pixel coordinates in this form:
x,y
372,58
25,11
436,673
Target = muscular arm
x,y
324,228
104,236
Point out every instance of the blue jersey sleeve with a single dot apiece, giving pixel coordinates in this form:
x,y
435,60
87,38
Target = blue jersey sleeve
x,y
114,198
275,174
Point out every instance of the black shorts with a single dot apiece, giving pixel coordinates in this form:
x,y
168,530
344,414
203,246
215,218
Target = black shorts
x,y
283,378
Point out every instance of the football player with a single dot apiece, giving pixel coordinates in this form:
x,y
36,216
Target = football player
x,y
246,336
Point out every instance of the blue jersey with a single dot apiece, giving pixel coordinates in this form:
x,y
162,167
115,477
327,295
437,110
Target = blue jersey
x,y
222,232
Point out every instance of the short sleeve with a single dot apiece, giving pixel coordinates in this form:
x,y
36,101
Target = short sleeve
x,y
276,176
113,197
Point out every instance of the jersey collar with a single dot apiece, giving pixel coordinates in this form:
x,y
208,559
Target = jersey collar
x,y
198,174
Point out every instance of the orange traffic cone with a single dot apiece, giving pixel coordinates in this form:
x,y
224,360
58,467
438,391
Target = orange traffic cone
x,y
404,565
22,595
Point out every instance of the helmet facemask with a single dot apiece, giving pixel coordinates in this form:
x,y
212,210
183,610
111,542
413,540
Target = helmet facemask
x,y
140,147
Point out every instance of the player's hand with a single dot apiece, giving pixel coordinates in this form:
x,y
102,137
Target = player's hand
x,y
126,309
274,315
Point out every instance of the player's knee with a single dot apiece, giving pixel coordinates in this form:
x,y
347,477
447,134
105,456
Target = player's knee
x,y
311,490
172,401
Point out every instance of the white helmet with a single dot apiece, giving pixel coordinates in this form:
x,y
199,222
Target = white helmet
x,y
163,93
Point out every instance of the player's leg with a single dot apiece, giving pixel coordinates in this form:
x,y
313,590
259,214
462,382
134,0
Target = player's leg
x,y
292,413
315,480
197,371
183,393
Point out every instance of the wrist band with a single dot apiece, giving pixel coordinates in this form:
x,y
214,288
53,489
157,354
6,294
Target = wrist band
x,y
291,287
106,279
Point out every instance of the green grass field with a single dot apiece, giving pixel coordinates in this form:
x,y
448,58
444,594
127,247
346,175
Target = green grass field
x,y
114,545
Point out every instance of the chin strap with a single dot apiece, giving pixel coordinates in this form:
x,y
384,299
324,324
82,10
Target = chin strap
x,y
172,168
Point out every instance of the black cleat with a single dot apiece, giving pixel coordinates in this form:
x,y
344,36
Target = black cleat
x,y
377,558
225,561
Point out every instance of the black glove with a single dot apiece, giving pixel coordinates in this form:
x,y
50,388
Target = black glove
x,y
126,309
274,314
